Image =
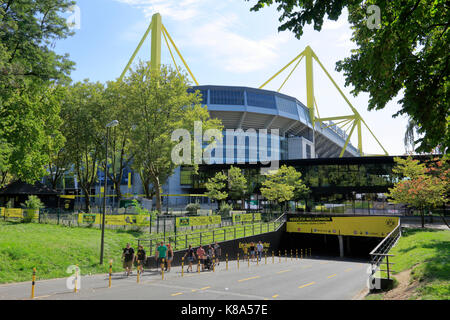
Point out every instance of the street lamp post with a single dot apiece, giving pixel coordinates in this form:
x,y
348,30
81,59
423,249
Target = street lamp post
x,y
109,125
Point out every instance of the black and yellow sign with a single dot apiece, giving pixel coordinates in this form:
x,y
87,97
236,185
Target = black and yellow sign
x,y
349,226
115,220
246,217
197,221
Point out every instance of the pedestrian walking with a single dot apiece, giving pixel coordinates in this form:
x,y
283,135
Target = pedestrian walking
x,y
218,252
141,257
259,249
190,255
201,256
169,256
161,253
252,251
128,258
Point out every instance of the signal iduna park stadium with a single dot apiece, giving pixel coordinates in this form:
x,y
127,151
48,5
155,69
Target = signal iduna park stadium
x,y
261,127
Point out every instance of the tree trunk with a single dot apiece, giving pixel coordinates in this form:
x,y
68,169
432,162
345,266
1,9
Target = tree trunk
x,y
118,192
157,189
423,217
87,200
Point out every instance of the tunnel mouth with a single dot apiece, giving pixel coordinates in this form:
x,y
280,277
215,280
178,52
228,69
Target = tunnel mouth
x,y
356,248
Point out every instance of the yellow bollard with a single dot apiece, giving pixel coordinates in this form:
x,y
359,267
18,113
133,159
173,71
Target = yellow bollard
x,y
238,261
198,266
110,274
137,274
301,253
162,269
285,255
76,278
182,266
214,263
33,283
226,257
296,254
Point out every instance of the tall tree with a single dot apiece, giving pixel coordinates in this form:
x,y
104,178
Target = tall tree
x,y
84,132
407,53
159,103
28,71
217,187
283,185
237,185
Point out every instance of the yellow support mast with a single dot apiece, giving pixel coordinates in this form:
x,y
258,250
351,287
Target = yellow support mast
x,y
157,30
354,119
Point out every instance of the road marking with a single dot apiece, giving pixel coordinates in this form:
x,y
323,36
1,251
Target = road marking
x,y
306,285
176,294
248,278
283,271
194,290
204,288
333,275
347,270
325,262
274,296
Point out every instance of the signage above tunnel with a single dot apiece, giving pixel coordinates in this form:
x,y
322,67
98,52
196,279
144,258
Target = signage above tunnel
x,y
375,226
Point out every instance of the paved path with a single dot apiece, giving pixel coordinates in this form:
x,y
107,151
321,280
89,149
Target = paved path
x,y
311,278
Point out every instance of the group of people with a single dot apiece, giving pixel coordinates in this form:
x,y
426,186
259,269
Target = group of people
x,y
206,258
164,256
253,251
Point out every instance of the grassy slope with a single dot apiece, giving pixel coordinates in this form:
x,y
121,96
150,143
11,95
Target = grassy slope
x,y
427,253
53,248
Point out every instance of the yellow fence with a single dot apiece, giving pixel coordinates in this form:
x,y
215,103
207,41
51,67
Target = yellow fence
x,y
19,213
116,220
197,221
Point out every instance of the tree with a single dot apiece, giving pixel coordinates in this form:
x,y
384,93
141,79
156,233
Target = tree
x,y
120,155
84,132
159,103
28,72
421,186
217,187
283,185
237,184
407,53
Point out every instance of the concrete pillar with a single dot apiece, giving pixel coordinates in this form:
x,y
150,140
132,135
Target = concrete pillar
x,y
341,246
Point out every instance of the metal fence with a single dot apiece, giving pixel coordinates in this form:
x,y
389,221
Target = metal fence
x,y
182,241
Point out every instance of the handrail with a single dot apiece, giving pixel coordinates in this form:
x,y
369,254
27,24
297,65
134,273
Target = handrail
x,y
222,234
381,250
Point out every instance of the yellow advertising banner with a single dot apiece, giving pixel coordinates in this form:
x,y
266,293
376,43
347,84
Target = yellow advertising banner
x,y
348,226
13,212
246,217
197,221
115,220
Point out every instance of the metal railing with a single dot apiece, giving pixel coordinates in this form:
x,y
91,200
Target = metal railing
x,y
204,237
380,252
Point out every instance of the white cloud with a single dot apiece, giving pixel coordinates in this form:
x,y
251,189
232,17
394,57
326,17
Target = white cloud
x,y
216,33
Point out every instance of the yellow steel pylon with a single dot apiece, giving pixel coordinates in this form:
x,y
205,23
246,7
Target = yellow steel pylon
x,y
355,120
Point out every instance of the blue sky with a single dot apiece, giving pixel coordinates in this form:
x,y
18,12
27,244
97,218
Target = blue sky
x,y
226,44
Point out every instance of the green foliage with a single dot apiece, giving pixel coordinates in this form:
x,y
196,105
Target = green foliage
x,y
409,54
225,209
192,208
283,185
216,187
33,202
159,103
421,185
29,72
237,183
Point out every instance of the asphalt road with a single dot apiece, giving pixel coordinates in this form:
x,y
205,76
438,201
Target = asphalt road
x,y
298,279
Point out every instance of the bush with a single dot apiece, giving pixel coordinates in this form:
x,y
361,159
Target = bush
x,y
192,208
225,209
31,205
